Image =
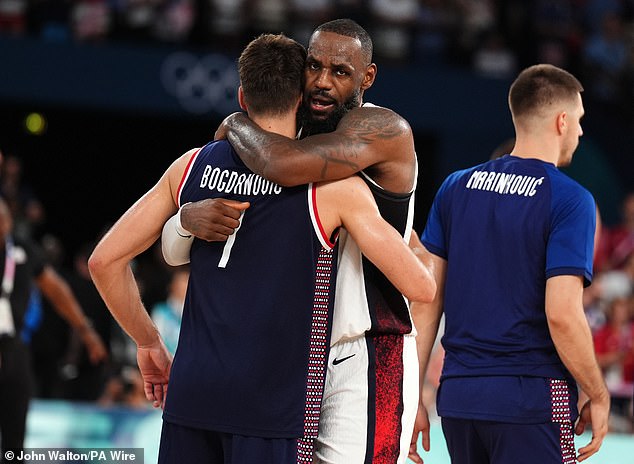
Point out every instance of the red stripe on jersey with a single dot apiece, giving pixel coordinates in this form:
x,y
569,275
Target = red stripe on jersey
x,y
184,177
319,224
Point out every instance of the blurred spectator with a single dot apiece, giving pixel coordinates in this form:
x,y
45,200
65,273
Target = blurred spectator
x,y
13,16
227,23
308,14
617,242
478,17
614,346
268,16
24,267
135,19
175,21
26,209
605,60
558,35
436,29
393,28
125,388
50,342
167,315
494,58
91,20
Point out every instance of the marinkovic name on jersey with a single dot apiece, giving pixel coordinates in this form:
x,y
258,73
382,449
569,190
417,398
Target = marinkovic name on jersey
x,y
232,182
504,184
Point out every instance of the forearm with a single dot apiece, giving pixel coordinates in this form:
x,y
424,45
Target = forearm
x,y
336,155
573,342
426,318
118,288
397,261
571,334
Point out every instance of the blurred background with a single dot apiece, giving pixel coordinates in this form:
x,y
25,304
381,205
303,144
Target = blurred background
x,y
98,97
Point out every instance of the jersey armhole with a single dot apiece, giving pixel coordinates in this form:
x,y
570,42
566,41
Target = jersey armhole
x,y
317,225
186,173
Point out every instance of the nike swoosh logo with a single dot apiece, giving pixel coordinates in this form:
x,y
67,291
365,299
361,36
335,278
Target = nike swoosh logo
x,y
339,361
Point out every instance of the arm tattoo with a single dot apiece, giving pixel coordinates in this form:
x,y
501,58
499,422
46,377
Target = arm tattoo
x,y
359,129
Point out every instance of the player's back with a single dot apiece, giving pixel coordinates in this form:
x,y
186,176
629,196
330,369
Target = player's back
x,y
505,230
249,319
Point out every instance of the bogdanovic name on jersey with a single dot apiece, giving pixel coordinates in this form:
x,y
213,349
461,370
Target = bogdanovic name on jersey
x,y
232,182
504,184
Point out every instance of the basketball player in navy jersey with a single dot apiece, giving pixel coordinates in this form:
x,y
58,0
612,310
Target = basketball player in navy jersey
x,y
512,245
247,378
371,396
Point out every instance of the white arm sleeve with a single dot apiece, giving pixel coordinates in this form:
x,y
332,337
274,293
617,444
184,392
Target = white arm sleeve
x,y
176,241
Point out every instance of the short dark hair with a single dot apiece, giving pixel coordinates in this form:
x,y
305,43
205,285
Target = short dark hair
x,y
539,86
350,28
271,69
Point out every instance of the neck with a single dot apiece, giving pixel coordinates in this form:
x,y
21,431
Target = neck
x,y
285,124
536,147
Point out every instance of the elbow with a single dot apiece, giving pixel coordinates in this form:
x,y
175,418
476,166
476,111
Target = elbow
x,y
424,291
556,317
96,265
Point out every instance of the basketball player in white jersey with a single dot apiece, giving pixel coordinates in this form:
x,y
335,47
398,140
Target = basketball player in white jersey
x,y
372,390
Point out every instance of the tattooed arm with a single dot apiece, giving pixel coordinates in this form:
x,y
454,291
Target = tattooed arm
x,y
365,137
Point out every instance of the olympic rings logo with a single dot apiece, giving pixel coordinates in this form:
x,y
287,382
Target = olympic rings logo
x,y
201,84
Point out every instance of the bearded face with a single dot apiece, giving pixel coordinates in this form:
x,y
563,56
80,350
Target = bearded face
x,y
320,123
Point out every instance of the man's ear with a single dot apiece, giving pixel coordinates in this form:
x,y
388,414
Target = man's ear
x,y
368,78
562,122
241,101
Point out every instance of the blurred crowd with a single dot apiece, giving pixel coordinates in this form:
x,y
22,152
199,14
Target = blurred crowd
x,y
609,305
62,368
594,39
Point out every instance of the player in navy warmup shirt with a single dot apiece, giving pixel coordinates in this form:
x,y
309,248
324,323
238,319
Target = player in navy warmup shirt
x,y
512,241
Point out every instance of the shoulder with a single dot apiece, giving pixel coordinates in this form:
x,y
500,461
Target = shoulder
x,y
457,177
568,191
347,193
376,120
342,188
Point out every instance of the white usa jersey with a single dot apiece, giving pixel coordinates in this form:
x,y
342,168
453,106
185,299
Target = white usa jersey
x,y
365,301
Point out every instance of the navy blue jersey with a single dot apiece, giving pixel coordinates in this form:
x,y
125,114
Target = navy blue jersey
x,y
254,336
504,228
